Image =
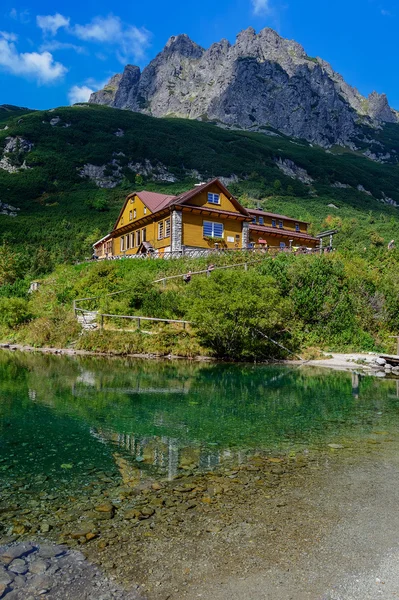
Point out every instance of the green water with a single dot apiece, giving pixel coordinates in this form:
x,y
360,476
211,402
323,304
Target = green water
x,y
67,419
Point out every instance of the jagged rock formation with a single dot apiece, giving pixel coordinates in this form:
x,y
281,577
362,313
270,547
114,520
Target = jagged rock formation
x,y
261,81
12,159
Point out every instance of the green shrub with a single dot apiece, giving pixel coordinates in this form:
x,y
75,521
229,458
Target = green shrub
x,y
13,312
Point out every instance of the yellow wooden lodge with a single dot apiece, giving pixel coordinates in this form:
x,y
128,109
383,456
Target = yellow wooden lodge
x,y
206,217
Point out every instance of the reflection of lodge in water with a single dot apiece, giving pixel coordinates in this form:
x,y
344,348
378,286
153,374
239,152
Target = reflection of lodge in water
x,y
167,455
89,379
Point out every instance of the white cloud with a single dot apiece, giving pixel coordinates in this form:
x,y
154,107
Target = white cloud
x,y
23,16
52,23
261,7
100,29
130,41
10,37
37,65
53,45
385,13
79,94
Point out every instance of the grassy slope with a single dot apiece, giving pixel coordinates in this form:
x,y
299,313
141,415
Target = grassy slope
x,y
55,202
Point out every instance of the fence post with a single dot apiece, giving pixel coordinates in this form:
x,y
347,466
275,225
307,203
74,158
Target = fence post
x,y
138,323
164,282
101,322
246,267
184,326
74,307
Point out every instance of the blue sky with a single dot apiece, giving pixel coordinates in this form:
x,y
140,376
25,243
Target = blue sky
x,y
54,53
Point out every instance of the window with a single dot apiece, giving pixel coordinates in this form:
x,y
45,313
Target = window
x,y
213,198
132,240
280,224
138,238
145,210
131,200
254,220
122,243
134,213
214,230
121,220
296,226
160,230
167,228
144,235
127,242
282,245
261,220
130,216
274,223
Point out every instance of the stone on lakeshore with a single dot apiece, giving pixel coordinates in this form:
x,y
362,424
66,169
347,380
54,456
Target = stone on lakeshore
x,y
336,446
45,527
90,536
51,551
3,589
18,566
380,361
146,512
38,567
105,508
5,578
156,486
132,513
7,556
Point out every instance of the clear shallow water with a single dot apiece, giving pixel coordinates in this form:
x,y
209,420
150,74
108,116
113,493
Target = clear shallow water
x,y
69,419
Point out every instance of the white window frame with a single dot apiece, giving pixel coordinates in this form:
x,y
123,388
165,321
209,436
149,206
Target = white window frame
x,y
167,228
281,224
122,243
144,234
160,230
134,213
138,238
130,216
127,242
213,198
212,224
132,240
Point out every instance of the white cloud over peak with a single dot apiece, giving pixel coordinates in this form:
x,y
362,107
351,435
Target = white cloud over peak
x,y
79,93
33,65
100,29
130,41
260,7
52,23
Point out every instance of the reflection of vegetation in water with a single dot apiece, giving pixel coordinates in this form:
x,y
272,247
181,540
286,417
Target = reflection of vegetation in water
x,y
58,411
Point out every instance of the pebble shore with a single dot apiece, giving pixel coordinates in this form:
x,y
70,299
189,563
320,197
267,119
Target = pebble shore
x,y
29,571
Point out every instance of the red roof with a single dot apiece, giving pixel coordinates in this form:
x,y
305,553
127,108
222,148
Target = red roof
x,y
253,211
155,201
282,232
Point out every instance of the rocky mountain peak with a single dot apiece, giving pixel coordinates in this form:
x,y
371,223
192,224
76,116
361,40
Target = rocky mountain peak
x,y
261,81
183,45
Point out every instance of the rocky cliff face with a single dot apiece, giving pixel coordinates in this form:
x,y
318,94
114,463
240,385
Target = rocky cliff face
x,y
261,81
